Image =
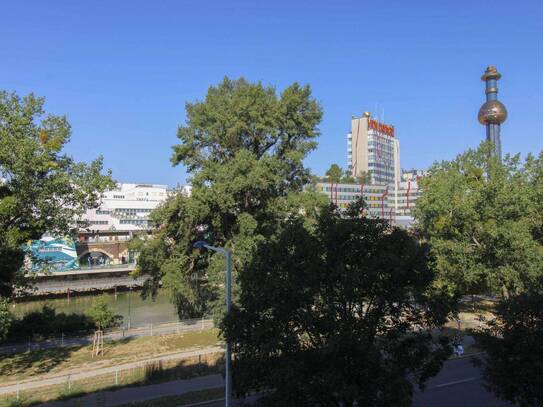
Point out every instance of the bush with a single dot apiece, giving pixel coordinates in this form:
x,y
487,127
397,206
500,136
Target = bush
x,y
47,323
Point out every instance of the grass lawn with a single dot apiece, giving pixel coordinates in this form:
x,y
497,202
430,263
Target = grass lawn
x,y
63,360
151,373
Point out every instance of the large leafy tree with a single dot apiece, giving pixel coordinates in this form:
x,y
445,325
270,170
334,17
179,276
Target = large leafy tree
x,y
243,147
334,312
484,220
41,188
513,344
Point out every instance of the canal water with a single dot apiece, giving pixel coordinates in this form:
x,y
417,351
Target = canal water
x,y
129,304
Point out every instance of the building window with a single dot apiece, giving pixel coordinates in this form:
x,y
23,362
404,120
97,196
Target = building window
x,y
98,222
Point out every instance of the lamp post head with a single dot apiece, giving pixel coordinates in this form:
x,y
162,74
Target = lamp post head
x,y
200,244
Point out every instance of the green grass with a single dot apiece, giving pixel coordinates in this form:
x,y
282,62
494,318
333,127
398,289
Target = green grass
x,y
183,399
152,373
26,365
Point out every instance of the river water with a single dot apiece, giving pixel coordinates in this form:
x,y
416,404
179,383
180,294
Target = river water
x,y
129,304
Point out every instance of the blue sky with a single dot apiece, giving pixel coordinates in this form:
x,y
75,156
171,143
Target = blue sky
x,y
122,70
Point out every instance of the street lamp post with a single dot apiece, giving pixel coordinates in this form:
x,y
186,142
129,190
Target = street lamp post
x,y
228,254
129,315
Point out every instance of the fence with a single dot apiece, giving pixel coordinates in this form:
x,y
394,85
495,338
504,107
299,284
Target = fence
x,y
114,334
148,372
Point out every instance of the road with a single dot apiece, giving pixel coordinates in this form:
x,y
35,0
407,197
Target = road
x,y
458,384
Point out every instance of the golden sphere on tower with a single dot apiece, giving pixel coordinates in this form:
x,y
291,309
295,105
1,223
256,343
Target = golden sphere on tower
x,y
492,112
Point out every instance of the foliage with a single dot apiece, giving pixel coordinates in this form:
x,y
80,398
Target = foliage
x,y
514,343
339,311
334,174
363,178
6,318
41,188
347,177
16,402
484,222
101,314
243,147
47,323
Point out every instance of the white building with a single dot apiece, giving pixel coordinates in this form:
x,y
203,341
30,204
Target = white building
x,y
413,174
125,208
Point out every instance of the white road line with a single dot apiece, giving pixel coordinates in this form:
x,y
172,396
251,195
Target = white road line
x,y
470,379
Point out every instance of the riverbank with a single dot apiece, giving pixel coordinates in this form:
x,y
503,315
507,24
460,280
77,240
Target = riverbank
x,y
136,311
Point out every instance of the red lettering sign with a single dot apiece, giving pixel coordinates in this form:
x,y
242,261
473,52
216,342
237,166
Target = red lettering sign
x,y
381,128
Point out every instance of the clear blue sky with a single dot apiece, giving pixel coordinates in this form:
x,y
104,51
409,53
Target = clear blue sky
x,y
122,70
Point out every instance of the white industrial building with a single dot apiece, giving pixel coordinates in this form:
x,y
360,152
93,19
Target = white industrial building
x,y
125,208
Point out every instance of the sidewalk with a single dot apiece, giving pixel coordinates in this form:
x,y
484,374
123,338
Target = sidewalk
x,y
142,393
48,380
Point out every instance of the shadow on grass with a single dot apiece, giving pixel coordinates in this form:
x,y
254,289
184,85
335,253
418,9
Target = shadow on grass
x,y
75,394
39,362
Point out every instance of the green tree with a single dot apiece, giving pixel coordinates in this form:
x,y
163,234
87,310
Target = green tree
x,y
243,147
334,174
102,315
41,188
340,311
513,345
347,177
363,178
483,221
6,318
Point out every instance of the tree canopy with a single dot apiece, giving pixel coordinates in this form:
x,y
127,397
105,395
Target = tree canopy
x,y
334,174
513,345
483,220
41,188
101,314
341,310
243,147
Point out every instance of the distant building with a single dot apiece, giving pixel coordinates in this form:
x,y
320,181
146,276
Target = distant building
x,y
103,233
124,212
413,174
373,148
383,201
376,196
126,208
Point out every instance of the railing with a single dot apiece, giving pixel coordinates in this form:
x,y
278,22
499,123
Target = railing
x,y
81,339
107,266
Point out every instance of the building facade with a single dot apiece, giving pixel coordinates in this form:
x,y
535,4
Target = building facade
x,y
394,204
373,149
124,212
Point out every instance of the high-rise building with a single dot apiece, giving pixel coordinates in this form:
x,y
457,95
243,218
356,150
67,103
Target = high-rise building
x,y
373,149
492,113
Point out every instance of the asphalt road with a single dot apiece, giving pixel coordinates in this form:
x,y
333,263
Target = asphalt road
x,y
458,384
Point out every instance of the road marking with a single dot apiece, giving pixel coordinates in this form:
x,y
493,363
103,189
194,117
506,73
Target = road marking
x,y
469,379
